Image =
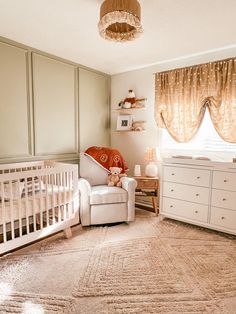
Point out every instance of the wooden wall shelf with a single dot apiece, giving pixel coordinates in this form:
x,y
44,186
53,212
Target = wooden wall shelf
x,y
130,109
129,131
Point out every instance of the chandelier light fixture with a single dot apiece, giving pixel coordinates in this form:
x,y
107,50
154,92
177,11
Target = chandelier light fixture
x,y
120,20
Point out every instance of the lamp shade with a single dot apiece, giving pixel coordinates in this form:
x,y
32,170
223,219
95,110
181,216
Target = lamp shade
x,y
120,20
151,169
150,154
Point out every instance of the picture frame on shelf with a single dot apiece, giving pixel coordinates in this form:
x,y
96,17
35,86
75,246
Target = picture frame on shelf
x,y
124,122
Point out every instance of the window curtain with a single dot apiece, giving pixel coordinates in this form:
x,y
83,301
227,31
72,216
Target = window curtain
x,y
183,95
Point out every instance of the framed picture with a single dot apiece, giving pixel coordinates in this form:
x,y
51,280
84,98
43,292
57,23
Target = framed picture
x,y
124,122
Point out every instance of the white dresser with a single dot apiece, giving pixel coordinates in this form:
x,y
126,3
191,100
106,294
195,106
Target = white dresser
x,y
199,192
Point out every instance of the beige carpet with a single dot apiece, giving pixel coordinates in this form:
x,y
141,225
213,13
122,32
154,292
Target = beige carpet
x,y
145,267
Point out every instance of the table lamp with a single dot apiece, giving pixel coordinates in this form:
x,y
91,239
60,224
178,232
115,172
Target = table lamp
x,y
151,169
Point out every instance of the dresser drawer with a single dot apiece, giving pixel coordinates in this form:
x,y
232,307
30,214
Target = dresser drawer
x,y
185,192
184,209
225,199
186,175
147,184
224,180
225,218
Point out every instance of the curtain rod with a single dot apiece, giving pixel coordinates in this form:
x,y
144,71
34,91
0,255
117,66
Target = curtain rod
x,y
195,65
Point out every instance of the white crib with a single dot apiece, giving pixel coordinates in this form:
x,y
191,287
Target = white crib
x,y
36,200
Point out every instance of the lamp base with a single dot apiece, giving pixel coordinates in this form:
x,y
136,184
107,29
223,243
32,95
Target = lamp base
x,y
151,170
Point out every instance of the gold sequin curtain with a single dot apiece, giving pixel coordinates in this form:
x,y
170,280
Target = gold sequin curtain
x,y
182,96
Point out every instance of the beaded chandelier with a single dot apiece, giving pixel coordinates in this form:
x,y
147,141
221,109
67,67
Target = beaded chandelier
x,y
120,20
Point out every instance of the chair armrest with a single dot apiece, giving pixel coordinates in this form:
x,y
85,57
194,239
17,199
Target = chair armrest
x,y
85,190
84,185
130,184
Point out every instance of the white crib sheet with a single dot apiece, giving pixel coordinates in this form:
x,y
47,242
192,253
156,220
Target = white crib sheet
x,y
60,198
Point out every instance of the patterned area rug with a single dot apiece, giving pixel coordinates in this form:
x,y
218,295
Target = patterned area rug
x,y
149,266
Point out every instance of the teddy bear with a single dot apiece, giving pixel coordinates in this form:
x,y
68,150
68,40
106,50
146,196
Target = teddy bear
x,y
114,177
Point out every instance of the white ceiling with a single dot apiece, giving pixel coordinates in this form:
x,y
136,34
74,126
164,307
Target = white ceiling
x,y
68,28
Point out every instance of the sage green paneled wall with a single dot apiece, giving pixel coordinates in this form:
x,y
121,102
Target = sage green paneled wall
x,y
94,116
14,103
49,107
55,106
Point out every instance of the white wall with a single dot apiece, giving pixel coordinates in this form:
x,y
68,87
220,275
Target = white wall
x,y
132,145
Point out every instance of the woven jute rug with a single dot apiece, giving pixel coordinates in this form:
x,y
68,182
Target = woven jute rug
x,y
148,266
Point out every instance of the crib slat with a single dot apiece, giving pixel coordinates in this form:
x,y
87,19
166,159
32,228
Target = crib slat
x,y
53,201
70,192
47,202
40,204
67,193
19,209
12,212
58,198
64,195
3,213
73,192
55,198
34,203
26,206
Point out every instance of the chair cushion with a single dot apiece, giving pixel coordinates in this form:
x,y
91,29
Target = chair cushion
x,y
103,194
92,171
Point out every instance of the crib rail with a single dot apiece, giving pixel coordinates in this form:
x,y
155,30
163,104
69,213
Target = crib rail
x,y
18,167
37,199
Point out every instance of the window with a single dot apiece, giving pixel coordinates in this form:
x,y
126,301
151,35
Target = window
x,y
206,140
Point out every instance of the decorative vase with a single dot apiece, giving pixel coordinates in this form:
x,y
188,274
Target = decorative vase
x,y
151,170
126,105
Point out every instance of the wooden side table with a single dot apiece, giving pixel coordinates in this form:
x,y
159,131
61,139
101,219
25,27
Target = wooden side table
x,y
148,187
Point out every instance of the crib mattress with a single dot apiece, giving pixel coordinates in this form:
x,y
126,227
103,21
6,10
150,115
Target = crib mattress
x,y
22,208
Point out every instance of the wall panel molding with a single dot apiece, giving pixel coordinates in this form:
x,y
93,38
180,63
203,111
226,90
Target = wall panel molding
x,y
26,132
15,105
94,108
49,55
55,107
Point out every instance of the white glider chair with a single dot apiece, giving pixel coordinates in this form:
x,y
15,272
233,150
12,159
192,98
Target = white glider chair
x,y
100,203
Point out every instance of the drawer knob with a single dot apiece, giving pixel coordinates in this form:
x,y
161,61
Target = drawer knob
x,y
225,180
172,190
171,206
196,211
198,177
223,199
173,174
197,194
222,217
